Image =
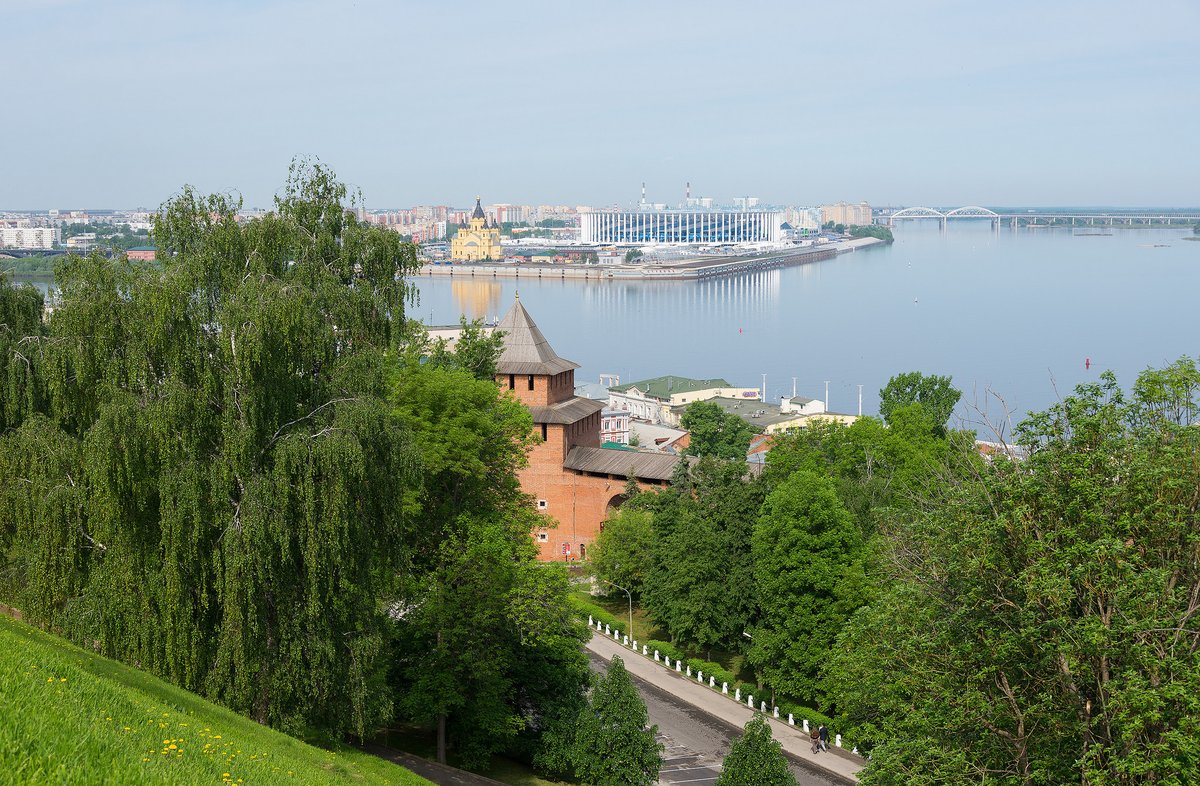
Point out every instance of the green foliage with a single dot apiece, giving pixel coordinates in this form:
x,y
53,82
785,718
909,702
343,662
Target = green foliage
x,y
475,351
872,230
665,648
809,579
72,717
633,255
755,759
700,585
38,266
474,570
20,327
586,608
613,745
716,432
622,551
1035,623
934,394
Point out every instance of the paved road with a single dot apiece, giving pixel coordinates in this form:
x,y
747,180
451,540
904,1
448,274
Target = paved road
x,y
695,741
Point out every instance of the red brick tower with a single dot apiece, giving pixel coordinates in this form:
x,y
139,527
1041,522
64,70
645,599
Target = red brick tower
x,y
574,482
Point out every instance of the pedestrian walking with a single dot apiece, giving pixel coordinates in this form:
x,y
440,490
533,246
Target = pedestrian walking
x,y
816,740
823,737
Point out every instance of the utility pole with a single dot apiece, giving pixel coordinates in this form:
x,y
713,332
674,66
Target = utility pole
x,y
793,387
763,395
826,395
860,401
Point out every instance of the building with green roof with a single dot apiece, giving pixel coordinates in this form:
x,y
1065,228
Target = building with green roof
x,y
652,400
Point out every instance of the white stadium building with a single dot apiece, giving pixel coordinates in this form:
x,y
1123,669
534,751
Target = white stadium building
x,y
682,227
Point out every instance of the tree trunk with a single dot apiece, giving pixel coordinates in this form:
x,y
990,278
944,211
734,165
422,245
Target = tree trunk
x,y
441,738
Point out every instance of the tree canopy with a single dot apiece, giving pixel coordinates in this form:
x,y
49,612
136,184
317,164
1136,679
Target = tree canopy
x,y
614,745
755,759
1036,622
715,432
935,395
242,469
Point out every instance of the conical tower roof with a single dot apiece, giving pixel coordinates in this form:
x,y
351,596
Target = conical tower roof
x,y
526,350
478,210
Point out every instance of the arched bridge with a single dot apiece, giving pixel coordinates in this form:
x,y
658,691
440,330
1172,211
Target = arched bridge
x,y
970,211
1040,218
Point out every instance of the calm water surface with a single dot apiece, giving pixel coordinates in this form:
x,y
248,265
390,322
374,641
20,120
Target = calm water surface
x,y
1014,313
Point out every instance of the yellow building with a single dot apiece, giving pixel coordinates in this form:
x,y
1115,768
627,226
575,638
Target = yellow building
x,y
849,215
478,240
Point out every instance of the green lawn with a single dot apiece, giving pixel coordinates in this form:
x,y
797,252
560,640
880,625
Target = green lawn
x,y
68,716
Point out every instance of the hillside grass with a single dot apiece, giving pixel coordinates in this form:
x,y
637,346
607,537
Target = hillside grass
x,y
68,716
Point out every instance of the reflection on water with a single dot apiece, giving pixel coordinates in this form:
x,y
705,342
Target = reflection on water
x,y
476,298
1015,312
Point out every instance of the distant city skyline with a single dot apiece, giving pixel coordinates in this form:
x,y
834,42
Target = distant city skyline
x,y
925,103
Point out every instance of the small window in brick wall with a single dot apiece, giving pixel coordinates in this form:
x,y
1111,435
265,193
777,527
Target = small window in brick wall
x,y
543,537
543,432
542,504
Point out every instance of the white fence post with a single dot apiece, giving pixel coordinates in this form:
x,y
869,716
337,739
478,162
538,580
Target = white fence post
x,y
591,621
656,656
737,693
712,681
837,740
644,651
750,701
775,712
725,688
679,666
791,720
805,721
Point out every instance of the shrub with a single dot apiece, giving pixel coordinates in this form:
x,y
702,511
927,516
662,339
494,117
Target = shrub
x,y
665,648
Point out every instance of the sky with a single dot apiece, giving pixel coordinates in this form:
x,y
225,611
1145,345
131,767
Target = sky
x,y
1018,103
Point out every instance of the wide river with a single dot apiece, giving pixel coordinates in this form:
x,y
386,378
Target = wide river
x,y
1013,316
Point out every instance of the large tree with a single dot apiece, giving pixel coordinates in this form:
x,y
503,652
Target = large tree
x,y
700,585
755,759
1039,619
624,549
715,432
809,579
936,396
205,477
614,746
486,648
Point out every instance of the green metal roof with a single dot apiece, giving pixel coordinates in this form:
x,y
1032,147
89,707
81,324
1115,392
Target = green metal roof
x,y
664,387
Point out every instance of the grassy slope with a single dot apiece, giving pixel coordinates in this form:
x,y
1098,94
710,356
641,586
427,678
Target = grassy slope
x,y
70,717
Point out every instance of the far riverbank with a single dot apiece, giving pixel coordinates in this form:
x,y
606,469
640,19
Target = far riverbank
x,y
700,268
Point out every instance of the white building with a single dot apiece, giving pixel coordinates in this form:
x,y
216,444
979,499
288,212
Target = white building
x,y
29,237
640,227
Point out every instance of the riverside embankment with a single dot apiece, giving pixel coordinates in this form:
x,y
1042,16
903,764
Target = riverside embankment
x,y
688,269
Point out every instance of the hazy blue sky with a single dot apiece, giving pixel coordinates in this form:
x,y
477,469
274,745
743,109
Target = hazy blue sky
x,y
942,103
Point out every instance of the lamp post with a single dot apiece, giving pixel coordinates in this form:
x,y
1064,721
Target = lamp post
x,y
628,595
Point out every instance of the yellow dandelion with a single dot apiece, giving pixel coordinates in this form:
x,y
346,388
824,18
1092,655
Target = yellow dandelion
x,y
216,736
62,679
172,747
49,679
224,775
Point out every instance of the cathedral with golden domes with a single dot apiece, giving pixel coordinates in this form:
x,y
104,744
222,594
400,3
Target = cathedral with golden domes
x,y
477,241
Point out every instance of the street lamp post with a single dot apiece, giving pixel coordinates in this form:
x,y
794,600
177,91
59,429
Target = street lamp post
x,y
630,596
